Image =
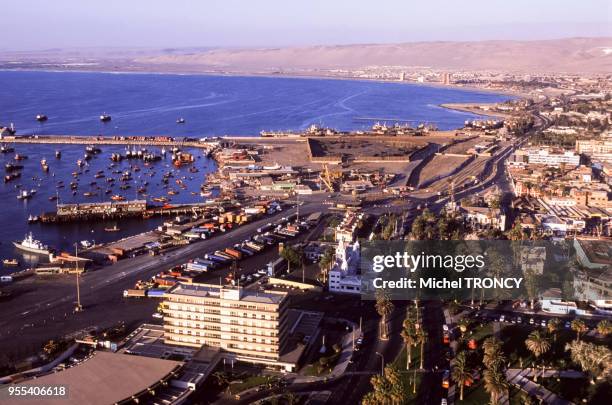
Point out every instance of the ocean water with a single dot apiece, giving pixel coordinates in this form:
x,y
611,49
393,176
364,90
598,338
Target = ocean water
x,y
149,104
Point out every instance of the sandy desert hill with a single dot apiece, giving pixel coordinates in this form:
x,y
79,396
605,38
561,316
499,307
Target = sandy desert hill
x,y
571,55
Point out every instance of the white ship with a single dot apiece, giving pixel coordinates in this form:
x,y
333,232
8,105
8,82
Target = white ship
x,y
29,244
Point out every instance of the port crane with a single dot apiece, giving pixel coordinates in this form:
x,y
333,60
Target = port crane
x,y
327,177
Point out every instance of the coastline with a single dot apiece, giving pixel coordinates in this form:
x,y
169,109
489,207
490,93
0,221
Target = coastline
x,y
451,86
473,109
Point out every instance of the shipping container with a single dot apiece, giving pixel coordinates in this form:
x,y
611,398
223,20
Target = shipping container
x,y
134,293
234,253
155,293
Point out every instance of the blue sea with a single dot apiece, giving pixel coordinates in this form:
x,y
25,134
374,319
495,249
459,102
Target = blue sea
x,y
150,104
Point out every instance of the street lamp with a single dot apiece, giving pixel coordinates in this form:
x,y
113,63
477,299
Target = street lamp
x,y
78,307
382,363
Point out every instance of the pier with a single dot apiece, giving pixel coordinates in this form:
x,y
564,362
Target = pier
x,y
109,211
109,140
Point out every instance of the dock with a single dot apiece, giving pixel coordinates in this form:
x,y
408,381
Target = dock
x,y
110,140
112,211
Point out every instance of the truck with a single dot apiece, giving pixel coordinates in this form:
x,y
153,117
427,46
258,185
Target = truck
x,y
216,258
197,267
245,250
236,254
134,293
255,246
265,228
221,253
205,262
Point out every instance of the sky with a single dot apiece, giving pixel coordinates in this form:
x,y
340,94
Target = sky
x,y
44,24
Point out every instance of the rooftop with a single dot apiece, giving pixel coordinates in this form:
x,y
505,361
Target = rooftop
x,y
106,378
226,292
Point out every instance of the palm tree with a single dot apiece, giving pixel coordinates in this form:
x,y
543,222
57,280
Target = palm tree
x,y
553,326
493,355
579,327
388,388
221,379
537,344
594,359
409,336
422,339
604,327
495,383
461,374
384,307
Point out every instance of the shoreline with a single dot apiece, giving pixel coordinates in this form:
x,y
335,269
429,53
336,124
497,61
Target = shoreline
x,y
438,85
472,109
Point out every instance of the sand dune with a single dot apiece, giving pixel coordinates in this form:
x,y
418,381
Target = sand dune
x,y
571,55
575,55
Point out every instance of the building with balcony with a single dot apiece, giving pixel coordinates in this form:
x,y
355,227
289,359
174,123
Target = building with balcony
x,y
246,325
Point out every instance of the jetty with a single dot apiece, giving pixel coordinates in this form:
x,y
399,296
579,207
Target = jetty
x,y
204,143
121,210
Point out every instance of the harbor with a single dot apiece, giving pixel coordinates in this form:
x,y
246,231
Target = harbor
x,y
73,192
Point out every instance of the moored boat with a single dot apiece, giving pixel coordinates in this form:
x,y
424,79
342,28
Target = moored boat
x,y
29,244
10,262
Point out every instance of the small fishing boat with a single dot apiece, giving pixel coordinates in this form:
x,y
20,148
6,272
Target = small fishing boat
x,y
10,262
112,229
180,121
24,195
58,154
86,244
41,117
105,117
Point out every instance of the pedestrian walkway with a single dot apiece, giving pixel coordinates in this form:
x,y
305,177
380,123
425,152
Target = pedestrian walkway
x,y
520,379
343,360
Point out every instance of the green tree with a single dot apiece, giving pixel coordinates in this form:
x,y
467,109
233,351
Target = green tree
x,y
418,228
604,327
493,354
553,326
593,359
292,255
384,307
387,388
326,262
461,374
409,336
537,344
422,339
495,384
579,327
531,285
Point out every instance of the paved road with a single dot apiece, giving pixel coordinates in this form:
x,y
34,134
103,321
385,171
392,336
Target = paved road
x,y
43,309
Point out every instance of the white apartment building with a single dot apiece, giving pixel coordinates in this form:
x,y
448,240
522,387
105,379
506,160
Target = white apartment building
x,y
250,325
550,158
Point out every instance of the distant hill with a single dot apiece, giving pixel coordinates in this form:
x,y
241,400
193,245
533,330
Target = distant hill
x,y
571,55
574,55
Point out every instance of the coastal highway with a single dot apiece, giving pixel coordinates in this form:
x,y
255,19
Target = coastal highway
x,y
42,307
